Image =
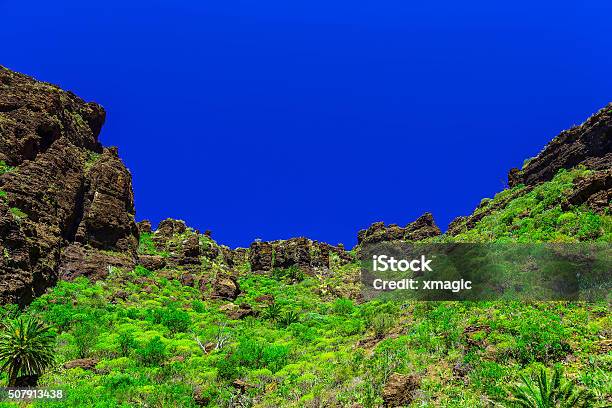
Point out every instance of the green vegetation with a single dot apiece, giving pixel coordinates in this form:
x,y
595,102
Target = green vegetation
x,y
537,216
548,391
159,343
92,158
4,168
18,213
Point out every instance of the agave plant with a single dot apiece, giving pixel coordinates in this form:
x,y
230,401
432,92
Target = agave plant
x,y
548,391
289,318
26,348
273,311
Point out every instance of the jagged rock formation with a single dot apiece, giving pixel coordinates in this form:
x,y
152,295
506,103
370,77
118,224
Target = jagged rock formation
x,y
589,144
67,203
304,253
423,227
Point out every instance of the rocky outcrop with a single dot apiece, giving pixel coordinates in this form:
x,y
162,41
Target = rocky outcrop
x,y
589,144
594,190
65,196
304,253
79,260
152,262
82,363
144,227
423,227
225,286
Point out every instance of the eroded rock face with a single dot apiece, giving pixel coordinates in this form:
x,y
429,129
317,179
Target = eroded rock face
x,y
423,227
594,190
152,262
589,144
62,189
302,252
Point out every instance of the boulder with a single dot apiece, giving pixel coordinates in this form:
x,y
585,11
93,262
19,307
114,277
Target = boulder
x,y
225,287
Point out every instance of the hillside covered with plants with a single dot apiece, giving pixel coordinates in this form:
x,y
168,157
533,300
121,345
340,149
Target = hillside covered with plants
x,y
125,315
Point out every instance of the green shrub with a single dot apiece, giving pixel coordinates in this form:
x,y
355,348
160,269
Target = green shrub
x,y
18,213
4,168
85,336
142,271
153,353
382,324
126,343
293,274
176,320
547,391
343,306
146,245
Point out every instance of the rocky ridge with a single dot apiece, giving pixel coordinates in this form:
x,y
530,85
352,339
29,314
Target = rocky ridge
x,y
67,205
588,145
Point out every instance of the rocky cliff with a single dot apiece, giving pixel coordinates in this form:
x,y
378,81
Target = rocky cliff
x,y
66,203
589,144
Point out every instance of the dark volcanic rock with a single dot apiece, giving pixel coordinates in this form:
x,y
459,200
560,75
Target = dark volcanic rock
x,y
78,260
144,227
236,312
423,227
63,187
589,144
166,230
594,190
302,252
225,287
261,256
152,262
108,216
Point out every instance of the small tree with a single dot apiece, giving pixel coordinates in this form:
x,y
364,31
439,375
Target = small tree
x,y
26,348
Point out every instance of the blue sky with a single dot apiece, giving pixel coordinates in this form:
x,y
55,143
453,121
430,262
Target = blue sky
x,y
273,119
